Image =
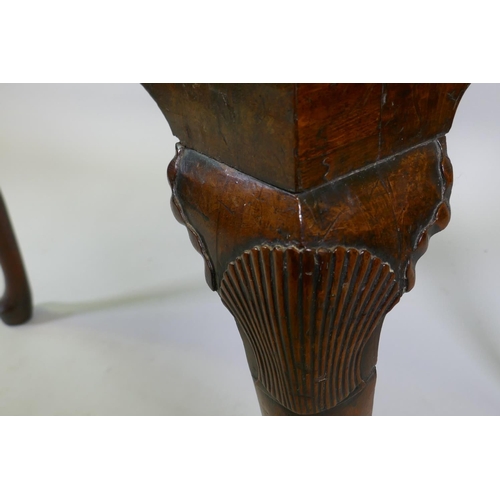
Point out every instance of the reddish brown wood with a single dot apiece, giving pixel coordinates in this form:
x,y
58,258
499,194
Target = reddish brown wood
x,y
250,127
15,305
299,136
311,205
359,403
342,127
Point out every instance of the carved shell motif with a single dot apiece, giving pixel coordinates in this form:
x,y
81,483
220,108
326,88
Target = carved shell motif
x,y
307,315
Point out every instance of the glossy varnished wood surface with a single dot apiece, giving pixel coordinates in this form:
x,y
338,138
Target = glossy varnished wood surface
x,y
386,210
309,250
358,404
299,136
342,127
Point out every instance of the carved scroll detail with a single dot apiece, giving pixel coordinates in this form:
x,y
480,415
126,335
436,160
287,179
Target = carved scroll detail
x,y
307,315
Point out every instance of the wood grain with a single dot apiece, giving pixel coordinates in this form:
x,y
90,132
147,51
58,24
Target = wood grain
x,y
311,204
300,136
308,316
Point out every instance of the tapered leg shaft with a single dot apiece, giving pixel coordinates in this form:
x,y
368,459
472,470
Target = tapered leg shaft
x,y
15,305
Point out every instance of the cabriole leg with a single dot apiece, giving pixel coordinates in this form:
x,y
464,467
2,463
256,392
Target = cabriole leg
x,y
311,204
309,277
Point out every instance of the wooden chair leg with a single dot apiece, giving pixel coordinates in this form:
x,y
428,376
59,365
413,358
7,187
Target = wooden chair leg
x,y
311,204
15,305
308,299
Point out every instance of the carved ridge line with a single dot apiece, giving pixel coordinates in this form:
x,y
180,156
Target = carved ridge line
x,y
345,316
391,298
316,280
359,170
256,285
372,320
265,317
230,300
362,270
308,334
241,312
339,277
271,314
292,375
335,320
288,313
371,274
326,314
255,330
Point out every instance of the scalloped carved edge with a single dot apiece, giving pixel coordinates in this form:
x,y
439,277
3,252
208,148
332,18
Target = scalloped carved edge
x,y
307,315
440,219
180,216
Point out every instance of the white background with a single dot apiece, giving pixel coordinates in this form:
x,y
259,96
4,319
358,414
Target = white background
x,y
124,323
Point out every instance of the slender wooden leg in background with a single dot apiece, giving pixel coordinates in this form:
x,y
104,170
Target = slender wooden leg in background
x,y
311,205
15,305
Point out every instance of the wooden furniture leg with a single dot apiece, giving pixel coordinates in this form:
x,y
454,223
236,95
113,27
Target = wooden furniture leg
x,y
311,205
15,305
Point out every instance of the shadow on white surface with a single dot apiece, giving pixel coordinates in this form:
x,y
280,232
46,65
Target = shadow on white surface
x,y
53,311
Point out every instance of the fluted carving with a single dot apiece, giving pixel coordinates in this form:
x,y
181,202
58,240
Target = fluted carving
x,y
307,315
275,257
